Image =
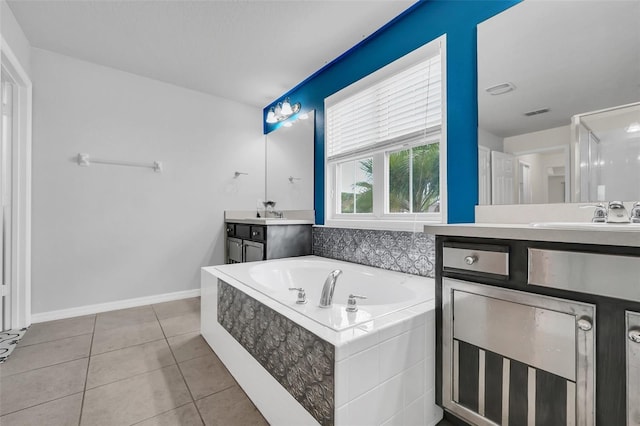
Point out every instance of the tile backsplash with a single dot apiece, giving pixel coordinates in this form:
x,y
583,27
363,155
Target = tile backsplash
x,y
409,252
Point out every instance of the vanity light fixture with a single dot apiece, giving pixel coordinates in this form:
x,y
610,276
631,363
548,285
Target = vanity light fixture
x,y
500,89
282,111
633,127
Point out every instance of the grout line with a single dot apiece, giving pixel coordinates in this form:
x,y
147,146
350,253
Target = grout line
x,y
86,376
44,366
50,341
164,412
38,404
132,376
193,401
126,347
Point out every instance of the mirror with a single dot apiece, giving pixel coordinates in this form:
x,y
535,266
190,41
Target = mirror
x,y
558,96
289,168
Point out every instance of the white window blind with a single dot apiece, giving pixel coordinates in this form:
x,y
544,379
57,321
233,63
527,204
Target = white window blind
x,y
403,106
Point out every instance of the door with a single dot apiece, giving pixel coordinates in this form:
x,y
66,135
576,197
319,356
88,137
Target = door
x,y
633,368
502,178
234,250
524,183
5,200
484,175
535,369
253,251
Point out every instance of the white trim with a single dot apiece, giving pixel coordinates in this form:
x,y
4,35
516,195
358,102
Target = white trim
x,y
379,219
21,187
112,306
444,138
385,225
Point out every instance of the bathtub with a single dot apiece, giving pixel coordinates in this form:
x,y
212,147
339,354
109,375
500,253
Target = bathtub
x,y
382,356
385,291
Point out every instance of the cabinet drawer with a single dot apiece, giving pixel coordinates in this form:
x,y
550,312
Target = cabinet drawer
x,y
257,233
472,260
243,231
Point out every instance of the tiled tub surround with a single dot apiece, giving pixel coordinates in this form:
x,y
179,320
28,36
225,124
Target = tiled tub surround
x,y
384,367
402,251
299,360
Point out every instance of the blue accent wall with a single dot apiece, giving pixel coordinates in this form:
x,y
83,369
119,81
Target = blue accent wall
x,y
420,24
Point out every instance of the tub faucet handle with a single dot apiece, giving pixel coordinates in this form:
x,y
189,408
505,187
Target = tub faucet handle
x,y
302,296
352,305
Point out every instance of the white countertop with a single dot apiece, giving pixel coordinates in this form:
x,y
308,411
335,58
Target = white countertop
x,y
291,217
605,235
271,221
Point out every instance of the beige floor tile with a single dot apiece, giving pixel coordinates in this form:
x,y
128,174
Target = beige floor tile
x,y
135,399
177,307
206,375
188,346
61,412
34,387
124,317
45,354
181,324
55,330
117,365
184,416
122,337
229,407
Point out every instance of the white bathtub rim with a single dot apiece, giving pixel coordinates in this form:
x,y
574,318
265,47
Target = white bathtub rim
x,y
336,338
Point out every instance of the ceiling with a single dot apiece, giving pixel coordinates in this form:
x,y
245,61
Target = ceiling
x,y
572,57
248,51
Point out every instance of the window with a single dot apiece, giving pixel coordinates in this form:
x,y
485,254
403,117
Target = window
x,y
385,142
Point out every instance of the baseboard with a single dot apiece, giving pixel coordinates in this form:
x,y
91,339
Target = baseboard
x,y
112,306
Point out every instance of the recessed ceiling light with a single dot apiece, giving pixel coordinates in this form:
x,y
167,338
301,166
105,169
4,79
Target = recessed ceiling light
x,y
500,89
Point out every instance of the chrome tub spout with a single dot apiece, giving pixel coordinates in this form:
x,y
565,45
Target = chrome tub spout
x,y
326,299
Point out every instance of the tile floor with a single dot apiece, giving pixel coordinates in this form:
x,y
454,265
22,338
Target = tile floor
x,y
144,366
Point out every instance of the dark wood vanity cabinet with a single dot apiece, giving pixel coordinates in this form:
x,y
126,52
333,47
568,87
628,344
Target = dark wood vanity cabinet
x,y
537,332
253,242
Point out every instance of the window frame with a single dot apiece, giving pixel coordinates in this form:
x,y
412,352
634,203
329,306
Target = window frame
x,y
381,218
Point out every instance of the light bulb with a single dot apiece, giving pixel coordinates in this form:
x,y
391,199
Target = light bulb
x,y
286,108
271,117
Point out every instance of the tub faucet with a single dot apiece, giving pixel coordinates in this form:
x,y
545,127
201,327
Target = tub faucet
x,y
326,299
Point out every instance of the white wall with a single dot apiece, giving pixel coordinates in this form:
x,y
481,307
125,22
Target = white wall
x,y
108,233
489,140
14,37
558,136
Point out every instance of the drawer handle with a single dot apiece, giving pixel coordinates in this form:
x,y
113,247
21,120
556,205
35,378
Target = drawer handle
x,y
634,336
584,324
470,260
254,233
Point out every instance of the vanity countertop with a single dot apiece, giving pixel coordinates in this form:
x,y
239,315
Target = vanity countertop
x,y
605,235
291,217
271,221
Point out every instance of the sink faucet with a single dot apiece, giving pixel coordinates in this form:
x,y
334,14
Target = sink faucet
x,y
616,213
599,214
634,215
326,299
